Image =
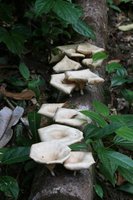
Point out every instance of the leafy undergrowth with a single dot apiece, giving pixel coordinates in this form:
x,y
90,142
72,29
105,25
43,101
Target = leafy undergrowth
x,y
111,133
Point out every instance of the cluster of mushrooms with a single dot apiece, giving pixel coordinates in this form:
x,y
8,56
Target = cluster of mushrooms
x,y
56,138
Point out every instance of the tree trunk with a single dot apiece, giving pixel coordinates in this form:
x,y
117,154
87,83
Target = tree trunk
x,y
66,186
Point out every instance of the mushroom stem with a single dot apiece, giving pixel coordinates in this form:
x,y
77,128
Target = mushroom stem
x,y
51,168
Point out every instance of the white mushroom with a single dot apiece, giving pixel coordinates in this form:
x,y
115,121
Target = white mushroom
x,y
88,49
65,48
57,82
73,54
79,160
71,117
49,109
61,133
66,64
90,63
84,75
49,152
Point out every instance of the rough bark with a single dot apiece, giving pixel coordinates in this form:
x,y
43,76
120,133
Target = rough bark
x,y
65,186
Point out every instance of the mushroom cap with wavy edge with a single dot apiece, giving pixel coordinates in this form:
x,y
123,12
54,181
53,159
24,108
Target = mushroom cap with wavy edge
x,y
73,54
83,75
71,117
88,49
90,63
79,160
61,133
66,64
57,82
49,109
49,152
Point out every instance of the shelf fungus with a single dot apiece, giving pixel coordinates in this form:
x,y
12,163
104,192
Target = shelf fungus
x,y
50,153
71,117
88,62
60,133
88,49
66,64
49,109
57,80
79,160
84,75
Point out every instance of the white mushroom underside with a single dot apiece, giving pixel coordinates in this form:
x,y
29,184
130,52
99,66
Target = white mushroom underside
x,y
87,48
49,152
79,160
89,62
70,117
49,109
61,133
57,82
66,64
83,75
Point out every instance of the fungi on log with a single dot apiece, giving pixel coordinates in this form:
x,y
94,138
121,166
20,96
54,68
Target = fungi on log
x,y
66,186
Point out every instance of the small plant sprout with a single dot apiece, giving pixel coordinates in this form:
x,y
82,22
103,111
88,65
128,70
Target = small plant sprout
x,y
49,109
60,133
71,117
57,82
79,160
66,64
50,153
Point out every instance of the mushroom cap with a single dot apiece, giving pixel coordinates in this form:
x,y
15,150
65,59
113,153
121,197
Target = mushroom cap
x,y
83,75
79,160
49,109
57,82
49,152
90,63
66,64
70,117
61,133
72,53
88,49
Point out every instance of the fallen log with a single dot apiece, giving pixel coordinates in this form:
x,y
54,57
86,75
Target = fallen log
x,y
66,186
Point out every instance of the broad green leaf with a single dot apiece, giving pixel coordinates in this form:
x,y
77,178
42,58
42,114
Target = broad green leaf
x,y
90,130
112,67
126,173
99,56
98,190
127,188
128,95
117,81
124,120
78,146
121,72
16,82
67,11
83,29
24,71
43,6
126,133
118,158
123,143
101,108
14,155
95,117
9,186
34,122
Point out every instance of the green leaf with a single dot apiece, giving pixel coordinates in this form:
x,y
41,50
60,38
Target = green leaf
x,y
83,29
9,186
127,174
67,11
124,120
127,188
95,116
34,122
101,108
121,72
99,56
117,81
90,130
24,71
128,95
122,142
14,155
78,146
98,190
126,133
43,6
112,67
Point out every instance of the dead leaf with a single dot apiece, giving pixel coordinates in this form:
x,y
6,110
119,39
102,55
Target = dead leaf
x,y
120,179
24,95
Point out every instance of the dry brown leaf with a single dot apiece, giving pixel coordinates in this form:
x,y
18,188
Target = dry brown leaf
x,y
24,95
120,179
